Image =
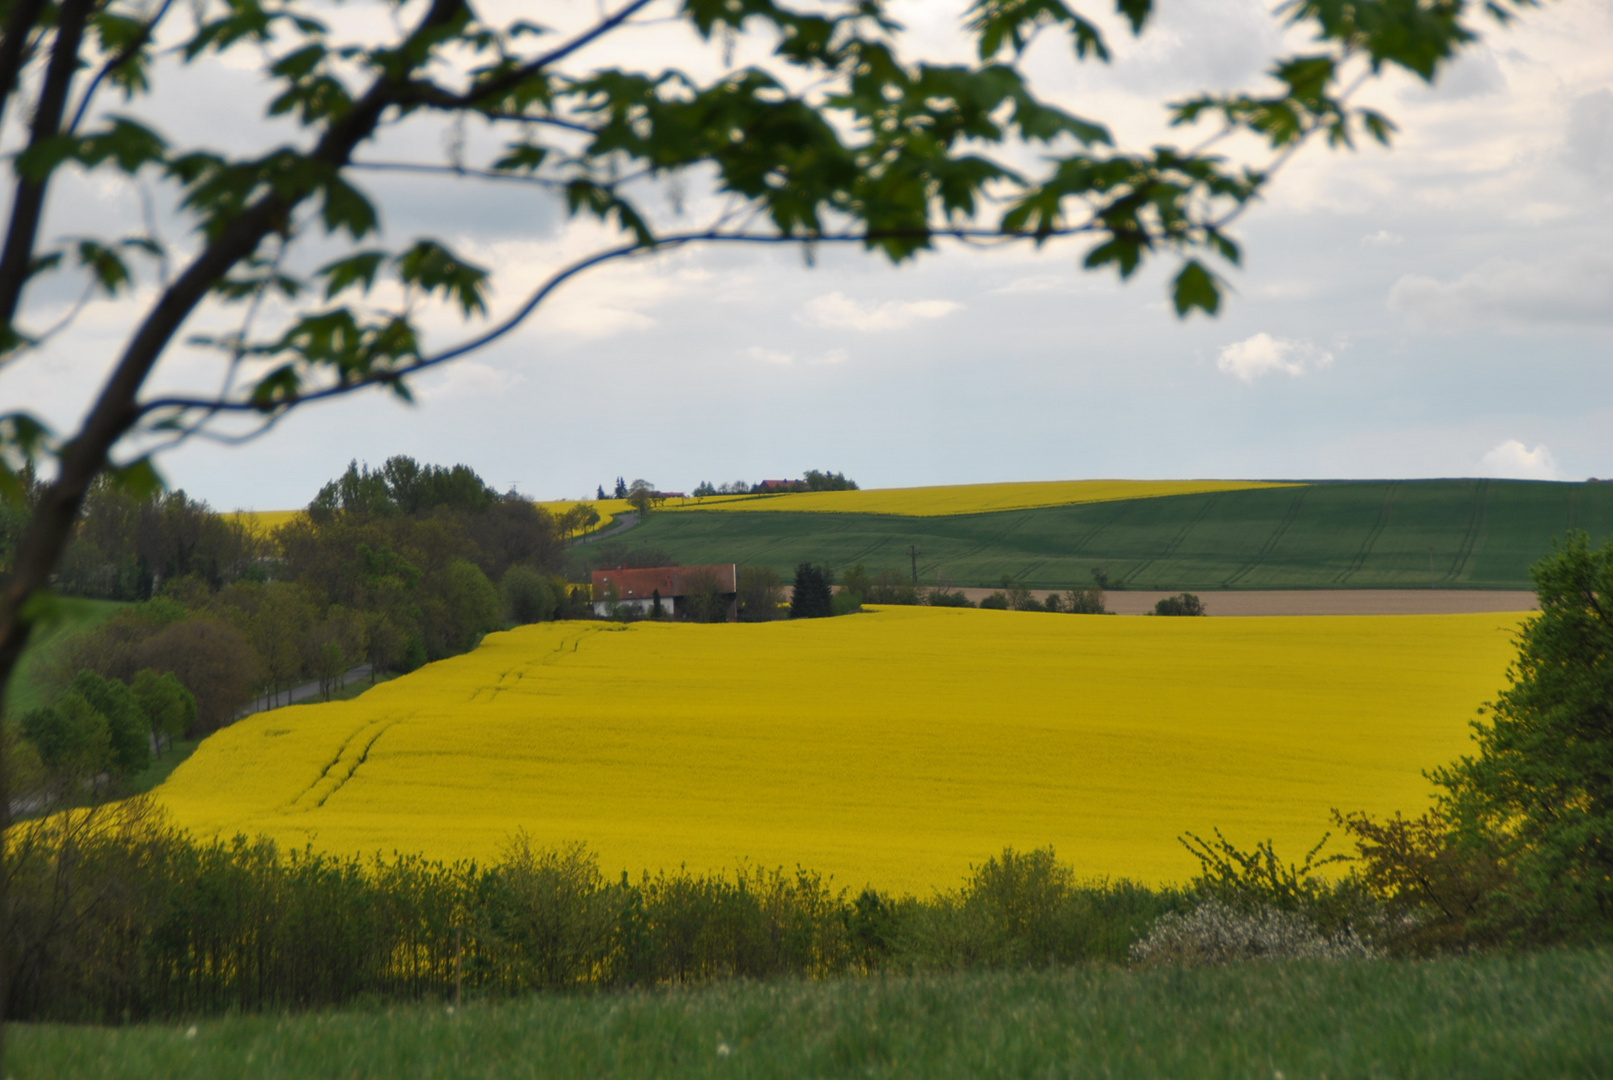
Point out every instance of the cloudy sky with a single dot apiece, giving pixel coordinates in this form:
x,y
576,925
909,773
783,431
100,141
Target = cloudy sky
x,y
1444,308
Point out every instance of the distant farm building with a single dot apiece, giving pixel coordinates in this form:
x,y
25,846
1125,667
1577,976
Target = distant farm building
x,y
667,586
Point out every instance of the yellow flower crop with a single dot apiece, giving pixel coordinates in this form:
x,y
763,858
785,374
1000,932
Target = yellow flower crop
x,y
264,521
608,509
967,498
894,747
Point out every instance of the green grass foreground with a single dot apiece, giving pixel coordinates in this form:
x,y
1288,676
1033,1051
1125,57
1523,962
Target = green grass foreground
x,y
1542,1015
1378,534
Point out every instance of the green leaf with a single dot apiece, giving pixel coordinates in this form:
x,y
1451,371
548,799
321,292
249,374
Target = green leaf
x,y
105,265
126,142
522,157
1126,252
24,439
354,270
347,208
1196,287
430,266
1136,12
139,478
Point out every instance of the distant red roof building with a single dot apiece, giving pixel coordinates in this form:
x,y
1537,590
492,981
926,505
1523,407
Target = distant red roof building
x,y
641,587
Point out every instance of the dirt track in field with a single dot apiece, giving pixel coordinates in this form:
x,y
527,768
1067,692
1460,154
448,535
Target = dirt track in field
x,y
1321,601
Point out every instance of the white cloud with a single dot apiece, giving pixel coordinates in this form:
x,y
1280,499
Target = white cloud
x,y
1263,354
1514,461
1574,288
1474,74
468,378
839,311
774,356
1588,145
1382,238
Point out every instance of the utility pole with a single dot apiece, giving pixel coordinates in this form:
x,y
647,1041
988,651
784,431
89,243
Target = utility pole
x,y
1430,566
913,553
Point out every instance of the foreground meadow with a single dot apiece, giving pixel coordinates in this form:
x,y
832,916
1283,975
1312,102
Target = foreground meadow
x,y
1545,1015
893,748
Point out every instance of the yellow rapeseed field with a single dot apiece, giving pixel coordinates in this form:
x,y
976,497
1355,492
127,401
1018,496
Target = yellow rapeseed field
x,y
967,498
264,521
895,747
268,520
608,509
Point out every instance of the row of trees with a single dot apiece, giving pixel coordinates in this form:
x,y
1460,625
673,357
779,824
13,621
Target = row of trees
x,y
100,729
393,567
811,480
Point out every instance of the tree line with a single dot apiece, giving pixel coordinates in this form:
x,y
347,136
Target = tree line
x,y
392,567
811,480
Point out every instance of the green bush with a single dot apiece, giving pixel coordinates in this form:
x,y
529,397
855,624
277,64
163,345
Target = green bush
x,y
1180,604
71,736
128,726
116,916
526,596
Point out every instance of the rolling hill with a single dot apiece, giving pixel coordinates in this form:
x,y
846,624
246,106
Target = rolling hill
x,y
1471,534
895,747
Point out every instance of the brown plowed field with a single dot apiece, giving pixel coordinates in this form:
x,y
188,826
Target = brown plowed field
x,y
1322,601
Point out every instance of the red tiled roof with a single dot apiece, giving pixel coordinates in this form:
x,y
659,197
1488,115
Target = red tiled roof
x,y
670,581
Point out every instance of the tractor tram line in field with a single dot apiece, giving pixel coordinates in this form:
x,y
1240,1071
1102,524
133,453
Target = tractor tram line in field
x,y
1328,534
1473,537
1176,541
1272,541
1385,510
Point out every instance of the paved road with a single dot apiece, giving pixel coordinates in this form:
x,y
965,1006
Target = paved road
x,y
309,691
621,524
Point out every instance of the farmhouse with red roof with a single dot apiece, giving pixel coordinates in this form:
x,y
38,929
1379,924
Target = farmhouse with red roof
x,y
666,587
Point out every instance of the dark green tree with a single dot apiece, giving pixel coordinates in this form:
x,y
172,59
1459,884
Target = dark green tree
x,y
168,704
128,727
1180,604
526,595
72,736
1540,784
761,591
813,597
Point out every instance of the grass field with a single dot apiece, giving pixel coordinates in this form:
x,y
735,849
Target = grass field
x,y
1545,1015
895,747
968,498
1475,534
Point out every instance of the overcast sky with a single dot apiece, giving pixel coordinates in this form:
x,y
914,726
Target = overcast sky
x,y
1444,308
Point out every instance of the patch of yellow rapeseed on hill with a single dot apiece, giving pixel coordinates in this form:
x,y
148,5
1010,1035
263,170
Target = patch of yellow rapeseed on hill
x,y
607,508
264,521
969,498
894,747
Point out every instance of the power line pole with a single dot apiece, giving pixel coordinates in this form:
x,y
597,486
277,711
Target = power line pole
x,y
913,553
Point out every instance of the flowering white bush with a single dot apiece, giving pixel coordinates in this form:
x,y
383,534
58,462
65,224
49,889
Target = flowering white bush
x,y
1217,933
